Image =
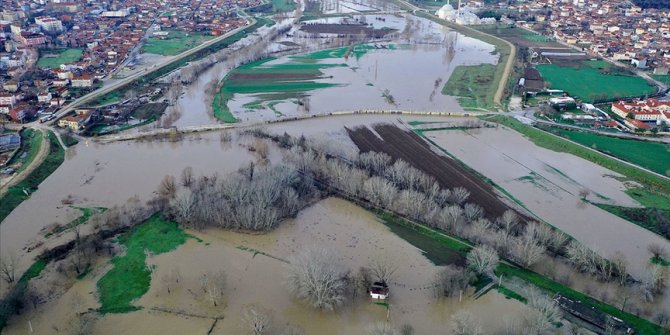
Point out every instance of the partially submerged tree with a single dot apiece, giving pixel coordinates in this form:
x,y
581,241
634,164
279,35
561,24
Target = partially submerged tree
x,y
463,323
382,268
316,277
8,264
256,319
381,328
451,281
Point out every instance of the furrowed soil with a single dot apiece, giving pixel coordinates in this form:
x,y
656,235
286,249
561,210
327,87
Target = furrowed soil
x,y
449,173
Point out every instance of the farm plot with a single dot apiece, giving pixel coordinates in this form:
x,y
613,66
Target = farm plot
x,y
449,173
593,82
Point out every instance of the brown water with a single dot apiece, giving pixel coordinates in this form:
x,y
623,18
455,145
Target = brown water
x,y
349,230
107,175
548,184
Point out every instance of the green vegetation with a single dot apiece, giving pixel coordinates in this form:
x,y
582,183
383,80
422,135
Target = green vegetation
x,y
437,247
648,198
473,86
641,325
659,261
653,219
31,140
665,78
509,294
69,140
546,140
654,156
86,214
130,277
269,84
17,193
54,58
501,46
591,84
107,99
283,5
174,43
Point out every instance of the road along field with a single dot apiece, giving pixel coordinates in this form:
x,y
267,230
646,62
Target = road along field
x,y
401,144
552,185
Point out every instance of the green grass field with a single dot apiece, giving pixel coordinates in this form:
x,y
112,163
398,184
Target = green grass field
x,y
86,214
130,278
15,195
651,155
174,43
30,145
590,84
473,85
62,57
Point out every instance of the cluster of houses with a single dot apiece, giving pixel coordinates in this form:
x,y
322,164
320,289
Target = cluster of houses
x,y
106,32
643,115
609,28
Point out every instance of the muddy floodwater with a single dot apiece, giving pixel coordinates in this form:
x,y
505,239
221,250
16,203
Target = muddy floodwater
x,y
549,183
255,269
107,175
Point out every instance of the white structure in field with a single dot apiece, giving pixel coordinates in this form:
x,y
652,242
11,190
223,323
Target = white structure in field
x,y
461,15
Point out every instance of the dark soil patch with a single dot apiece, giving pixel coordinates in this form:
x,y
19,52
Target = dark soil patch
x,y
448,173
346,29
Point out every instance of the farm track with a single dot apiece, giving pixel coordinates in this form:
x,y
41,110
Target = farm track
x,y
449,173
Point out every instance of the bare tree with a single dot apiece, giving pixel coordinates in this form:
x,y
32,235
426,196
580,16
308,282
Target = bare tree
x,y
482,259
653,282
184,209
450,218
187,176
480,229
459,195
167,188
316,277
256,319
406,329
526,250
214,285
463,323
508,221
472,212
544,314
8,264
381,328
293,330
383,268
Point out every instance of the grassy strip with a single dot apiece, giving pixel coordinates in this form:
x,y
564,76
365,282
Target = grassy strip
x,y
30,146
659,261
651,155
653,219
69,140
501,46
509,294
15,195
130,278
542,139
641,325
86,214
174,43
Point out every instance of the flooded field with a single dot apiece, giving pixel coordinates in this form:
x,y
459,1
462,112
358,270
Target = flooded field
x,y
254,266
551,185
372,76
107,175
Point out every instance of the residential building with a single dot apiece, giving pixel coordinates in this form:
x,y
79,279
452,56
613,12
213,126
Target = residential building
x,y
82,81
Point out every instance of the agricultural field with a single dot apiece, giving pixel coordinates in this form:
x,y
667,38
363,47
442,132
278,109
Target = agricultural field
x,y
473,85
174,43
654,156
54,58
592,82
519,36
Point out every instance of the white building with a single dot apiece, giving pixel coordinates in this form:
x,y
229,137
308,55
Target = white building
x,y
49,24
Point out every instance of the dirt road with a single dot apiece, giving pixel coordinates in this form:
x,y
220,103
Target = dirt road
x,y
39,158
